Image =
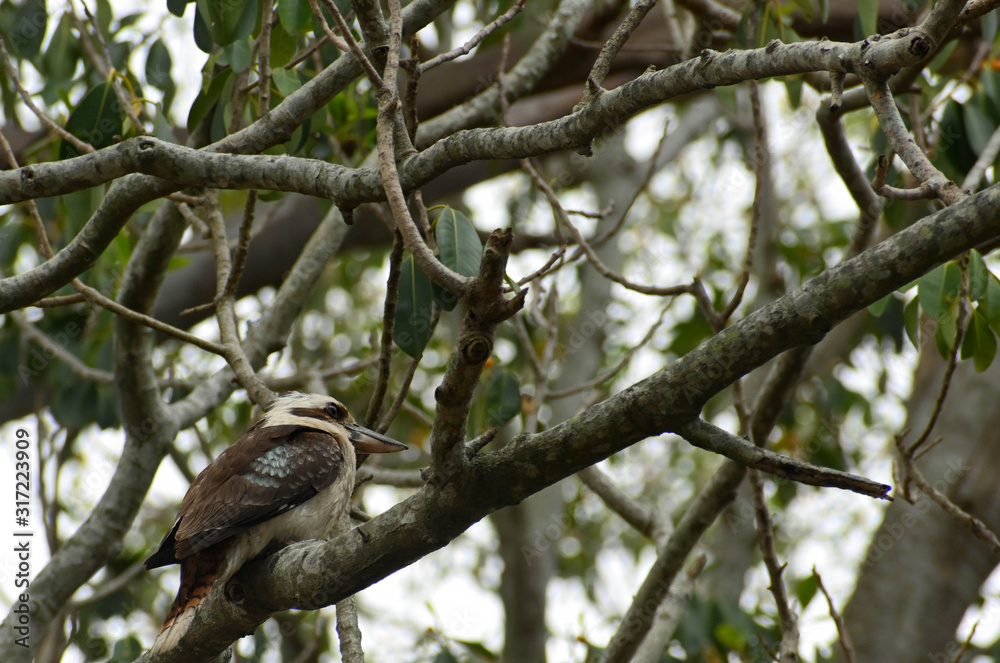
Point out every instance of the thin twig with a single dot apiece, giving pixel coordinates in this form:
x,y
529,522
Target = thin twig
x,y
476,39
225,306
975,525
400,400
949,372
95,297
762,192
985,160
347,617
711,438
388,99
239,256
765,534
611,372
644,519
592,256
388,326
899,140
611,48
842,634
58,350
12,74
107,70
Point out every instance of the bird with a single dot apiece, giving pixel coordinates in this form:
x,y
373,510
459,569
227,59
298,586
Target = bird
x,y
288,478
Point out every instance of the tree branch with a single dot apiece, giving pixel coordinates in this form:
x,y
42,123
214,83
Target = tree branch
x,y
310,575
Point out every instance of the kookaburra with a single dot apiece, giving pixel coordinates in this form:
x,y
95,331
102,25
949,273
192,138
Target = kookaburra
x,y
289,478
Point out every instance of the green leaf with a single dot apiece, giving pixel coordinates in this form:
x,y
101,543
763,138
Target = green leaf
x,y
97,119
806,589
177,7
459,249
228,21
944,334
824,10
413,309
296,16
238,54
978,125
283,46
868,17
26,30
206,99
992,301
979,343
955,154
793,85
158,65
938,290
59,59
286,81
878,308
202,33
979,276
126,650
503,398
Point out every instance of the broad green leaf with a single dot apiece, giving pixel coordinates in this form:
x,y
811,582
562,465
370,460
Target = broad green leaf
x,y
202,33
954,152
413,309
459,249
177,7
978,125
989,27
793,85
806,590
992,302
158,65
944,333
878,308
990,93
227,21
979,343
938,290
296,16
979,276
286,81
238,54
503,398
868,17
97,119
206,99
126,650
60,58
24,35
283,47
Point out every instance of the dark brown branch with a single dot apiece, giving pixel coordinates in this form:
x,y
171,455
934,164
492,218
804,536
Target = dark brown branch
x,y
706,436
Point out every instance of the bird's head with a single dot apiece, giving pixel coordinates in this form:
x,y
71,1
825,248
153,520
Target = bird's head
x,y
327,414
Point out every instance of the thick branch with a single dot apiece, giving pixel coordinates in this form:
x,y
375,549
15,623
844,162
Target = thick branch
x,y
127,195
310,575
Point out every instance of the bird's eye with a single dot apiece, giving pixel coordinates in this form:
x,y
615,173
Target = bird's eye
x,y
336,410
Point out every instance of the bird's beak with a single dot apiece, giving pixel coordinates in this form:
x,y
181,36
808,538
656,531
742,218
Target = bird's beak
x,y
367,441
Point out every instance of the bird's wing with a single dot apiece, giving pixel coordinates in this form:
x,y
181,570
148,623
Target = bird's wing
x,y
267,472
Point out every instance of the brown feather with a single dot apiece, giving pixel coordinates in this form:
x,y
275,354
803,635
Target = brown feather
x,y
267,472
260,491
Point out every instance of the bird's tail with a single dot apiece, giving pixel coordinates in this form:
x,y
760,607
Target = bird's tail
x,y
199,573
